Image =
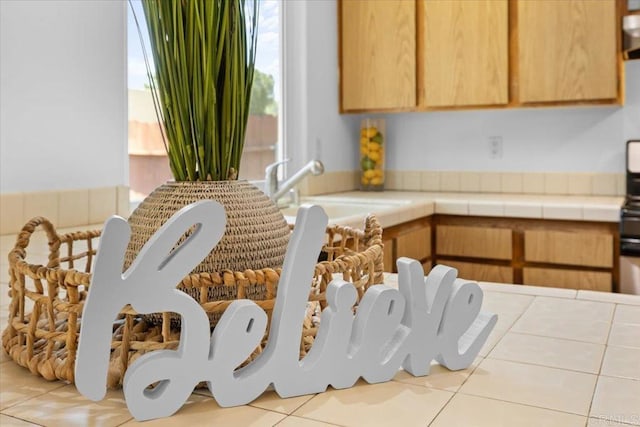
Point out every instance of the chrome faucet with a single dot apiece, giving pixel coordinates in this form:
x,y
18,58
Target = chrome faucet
x,y
276,190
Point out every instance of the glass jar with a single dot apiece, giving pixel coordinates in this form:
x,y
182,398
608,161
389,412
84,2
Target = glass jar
x,y
372,148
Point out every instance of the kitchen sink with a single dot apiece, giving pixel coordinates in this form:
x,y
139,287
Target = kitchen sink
x,y
338,210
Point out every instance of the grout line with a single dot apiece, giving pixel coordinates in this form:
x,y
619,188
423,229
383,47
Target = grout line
x,y
525,404
130,419
445,405
21,419
558,338
544,366
305,418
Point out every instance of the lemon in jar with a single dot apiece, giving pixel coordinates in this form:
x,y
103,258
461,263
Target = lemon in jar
x,y
369,174
377,137
367,163
370,132
375,156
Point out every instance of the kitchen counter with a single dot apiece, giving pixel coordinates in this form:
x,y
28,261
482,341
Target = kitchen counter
x,y
396,207
557,357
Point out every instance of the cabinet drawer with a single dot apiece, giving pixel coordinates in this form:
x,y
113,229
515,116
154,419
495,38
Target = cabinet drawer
x,y
387,256
481,272
414,244
572,279
479,242
569,248
426,267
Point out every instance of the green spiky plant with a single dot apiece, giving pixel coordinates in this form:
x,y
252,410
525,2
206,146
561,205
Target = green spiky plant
x,y
204,55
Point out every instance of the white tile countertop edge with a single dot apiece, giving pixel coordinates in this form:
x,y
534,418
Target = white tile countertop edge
x,y
391,279
405,206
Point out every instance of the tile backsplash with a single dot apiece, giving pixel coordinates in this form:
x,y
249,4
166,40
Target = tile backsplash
x,y
68,208
64,208
577,184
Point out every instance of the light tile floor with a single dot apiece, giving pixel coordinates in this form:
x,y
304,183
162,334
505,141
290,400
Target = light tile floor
x,y
557,358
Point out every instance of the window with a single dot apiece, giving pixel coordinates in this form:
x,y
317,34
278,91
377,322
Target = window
x,y
148,162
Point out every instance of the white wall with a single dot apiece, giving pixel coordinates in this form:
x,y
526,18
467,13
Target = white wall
x,y
314,129
575,139
63,94
589,139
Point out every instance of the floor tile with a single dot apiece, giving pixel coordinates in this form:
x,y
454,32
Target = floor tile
x,y
571,319
617,399
552,352
473,411
293,421
272,402
625,335
201,411
377,404
623,362
550,388
609,297
508,307
65,406
18,384
627,314
439,377
606,421
7,421
529,290
494,337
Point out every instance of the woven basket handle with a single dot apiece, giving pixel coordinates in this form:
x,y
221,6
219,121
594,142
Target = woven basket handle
x,y
22,241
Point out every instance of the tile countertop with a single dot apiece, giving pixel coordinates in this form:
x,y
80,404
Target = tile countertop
x,y
556,357
396,207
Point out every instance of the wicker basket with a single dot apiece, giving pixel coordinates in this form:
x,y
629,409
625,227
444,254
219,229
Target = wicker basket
x,y
255,237
44,338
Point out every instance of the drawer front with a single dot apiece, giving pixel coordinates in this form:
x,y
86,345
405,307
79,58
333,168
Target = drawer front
x,y
561,247
426,267
414,244
571,279
387,256
478,242
481,272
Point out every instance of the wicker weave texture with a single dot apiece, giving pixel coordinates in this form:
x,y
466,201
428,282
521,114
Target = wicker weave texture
x,y
256,235
44,316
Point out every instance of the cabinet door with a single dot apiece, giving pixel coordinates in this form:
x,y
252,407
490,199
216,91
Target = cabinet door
x,y
378,54
414,244
571,279
465,52
481,272
570,248
566,50
476,242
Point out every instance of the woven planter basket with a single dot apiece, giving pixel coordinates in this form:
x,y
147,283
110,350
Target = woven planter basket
x,y
47,301
256,234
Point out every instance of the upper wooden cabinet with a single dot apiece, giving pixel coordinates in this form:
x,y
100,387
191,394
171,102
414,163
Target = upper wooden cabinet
x,y
567,50
422,55
465,56
378,54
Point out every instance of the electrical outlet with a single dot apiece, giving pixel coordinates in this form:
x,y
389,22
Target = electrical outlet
x,y
495,147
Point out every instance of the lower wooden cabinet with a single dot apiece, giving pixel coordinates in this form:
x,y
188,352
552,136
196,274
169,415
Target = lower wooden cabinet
x,y
567,254
572,279
411,239
482,272
580,247
472,241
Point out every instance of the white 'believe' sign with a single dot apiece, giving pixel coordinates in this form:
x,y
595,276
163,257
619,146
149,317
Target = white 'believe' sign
x,y
434,318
